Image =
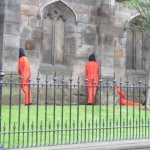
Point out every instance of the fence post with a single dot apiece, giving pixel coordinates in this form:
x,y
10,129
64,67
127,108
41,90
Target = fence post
x,y
1,84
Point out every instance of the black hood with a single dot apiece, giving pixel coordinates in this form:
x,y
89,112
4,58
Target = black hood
x,y
92,57
21,52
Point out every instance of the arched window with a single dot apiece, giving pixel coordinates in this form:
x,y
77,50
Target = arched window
x,y
135,41
57,41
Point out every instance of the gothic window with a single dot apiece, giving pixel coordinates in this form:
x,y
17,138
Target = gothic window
x,y
53,37
57,43
134,54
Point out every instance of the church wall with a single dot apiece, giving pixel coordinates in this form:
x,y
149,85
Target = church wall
x,y
100,29
123,16
11,35
105,25
30,33
2,6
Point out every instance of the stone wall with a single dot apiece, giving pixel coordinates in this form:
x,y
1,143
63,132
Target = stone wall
x,y
2,5
11,34
105,24
30,33
123,16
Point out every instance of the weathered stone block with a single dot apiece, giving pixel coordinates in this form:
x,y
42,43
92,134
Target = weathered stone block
x,y
80,28
30,2
13,5
2,6
42,2
10,66
89,38
107,71
85,18
119,32
70,27
93,10
33,55
24,20
90,28
85,2
11,53
12,16
12,28
1,46
8,28
108,2
1,27
29,10
37,34
80,8
106,10
122,18
78,37
85,50
38,44
121,6
2,3
26,31
69,60
60,70
47,48
105,20
22,42
47,24
33,21
12,41
108,61
70,44
106,32
16,29
1,17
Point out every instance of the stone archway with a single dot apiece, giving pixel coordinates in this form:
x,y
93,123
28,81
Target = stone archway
x,y
136,46
139,43
54,15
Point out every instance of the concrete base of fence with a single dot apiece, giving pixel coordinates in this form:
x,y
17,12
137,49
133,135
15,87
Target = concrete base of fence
x,y
113,145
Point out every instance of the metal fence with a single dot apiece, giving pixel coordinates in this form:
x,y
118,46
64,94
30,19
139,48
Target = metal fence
x,y
59,113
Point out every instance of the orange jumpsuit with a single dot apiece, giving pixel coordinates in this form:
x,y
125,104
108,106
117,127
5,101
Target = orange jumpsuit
x,y
123,99
92,74
24,71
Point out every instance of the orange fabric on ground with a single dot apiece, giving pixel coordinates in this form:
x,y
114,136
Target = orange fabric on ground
x,y
92,74
123,99
24,71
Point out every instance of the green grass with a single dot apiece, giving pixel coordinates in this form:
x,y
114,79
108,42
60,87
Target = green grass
x,y
73,124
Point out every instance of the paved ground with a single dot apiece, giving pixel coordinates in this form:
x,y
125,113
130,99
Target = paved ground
x,y
143,144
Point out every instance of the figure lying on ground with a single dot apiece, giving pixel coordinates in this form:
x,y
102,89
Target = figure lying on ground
x,y
124,101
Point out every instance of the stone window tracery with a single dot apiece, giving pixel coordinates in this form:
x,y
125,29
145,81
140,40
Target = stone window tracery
x,y
134,54
55,15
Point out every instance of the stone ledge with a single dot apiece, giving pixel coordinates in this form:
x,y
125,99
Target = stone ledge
x,y
113,145
136,72
52,69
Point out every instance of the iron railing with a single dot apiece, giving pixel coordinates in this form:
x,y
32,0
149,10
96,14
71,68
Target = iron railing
x,y
60,114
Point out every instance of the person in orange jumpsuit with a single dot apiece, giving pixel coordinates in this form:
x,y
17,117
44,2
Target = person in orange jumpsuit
x,y
25,73
92,75
124,101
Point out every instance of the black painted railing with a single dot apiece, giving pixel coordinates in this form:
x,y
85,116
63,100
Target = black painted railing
x,y
60,115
